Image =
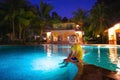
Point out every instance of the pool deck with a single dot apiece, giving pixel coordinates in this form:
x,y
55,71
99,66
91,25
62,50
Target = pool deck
x,y
92,72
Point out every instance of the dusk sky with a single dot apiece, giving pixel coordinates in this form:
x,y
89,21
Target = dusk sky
x,y
64,8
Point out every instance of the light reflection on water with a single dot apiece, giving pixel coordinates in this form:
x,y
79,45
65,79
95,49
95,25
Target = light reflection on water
x,y
34,63
104,56
42,62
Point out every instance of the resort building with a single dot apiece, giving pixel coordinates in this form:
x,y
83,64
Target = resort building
x,y
114,34
61,32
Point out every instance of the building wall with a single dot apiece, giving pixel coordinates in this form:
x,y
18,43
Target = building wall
x,y
112,34
62,35
62,31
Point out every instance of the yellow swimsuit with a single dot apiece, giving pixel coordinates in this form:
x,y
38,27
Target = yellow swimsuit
x,y
78,51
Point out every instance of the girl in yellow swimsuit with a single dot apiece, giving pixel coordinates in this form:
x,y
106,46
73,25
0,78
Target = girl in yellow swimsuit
x,y
76,53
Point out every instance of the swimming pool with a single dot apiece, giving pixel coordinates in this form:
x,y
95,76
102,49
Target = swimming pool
x,y
35,63
42,62
104,56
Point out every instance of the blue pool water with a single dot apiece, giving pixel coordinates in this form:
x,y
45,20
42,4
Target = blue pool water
x,y
42,62
35,63
104,56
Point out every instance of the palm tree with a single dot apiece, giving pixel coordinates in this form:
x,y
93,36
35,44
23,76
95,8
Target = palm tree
x,y
10,9
55,18
113,11
42,19
80,16
45,9
24,19
98,20
9,15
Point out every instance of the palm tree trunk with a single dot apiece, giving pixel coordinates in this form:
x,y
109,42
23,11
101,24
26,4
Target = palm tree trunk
x,y
24,39
13,27
20,32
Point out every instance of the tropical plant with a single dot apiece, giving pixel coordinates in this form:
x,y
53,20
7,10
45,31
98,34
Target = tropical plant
x,y
10,9
98,22
55,18
24,19
112,10
80,16
42,19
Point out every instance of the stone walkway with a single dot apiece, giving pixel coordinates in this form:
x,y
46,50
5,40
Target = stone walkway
x,y
91,72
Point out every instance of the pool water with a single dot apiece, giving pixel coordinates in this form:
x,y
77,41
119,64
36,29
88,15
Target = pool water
x,y
104,56
35,63
42,62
